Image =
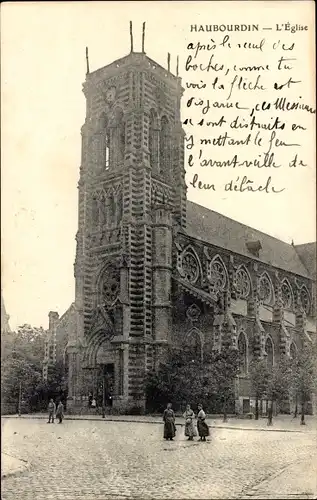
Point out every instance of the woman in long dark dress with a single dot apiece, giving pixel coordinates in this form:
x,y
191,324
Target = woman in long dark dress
x,y
189,417
202,427
169,423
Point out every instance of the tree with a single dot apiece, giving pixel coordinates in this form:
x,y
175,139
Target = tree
x,y
225,366
16,371
278,386
259,376
180,378
304,376
183,377
22,355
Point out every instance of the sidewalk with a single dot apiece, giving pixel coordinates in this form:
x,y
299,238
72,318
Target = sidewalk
x,y
11,465
283,423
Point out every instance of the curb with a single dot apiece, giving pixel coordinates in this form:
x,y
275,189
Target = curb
x,y
156,422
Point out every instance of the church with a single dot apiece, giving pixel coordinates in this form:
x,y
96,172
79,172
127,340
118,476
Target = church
x,y
153,269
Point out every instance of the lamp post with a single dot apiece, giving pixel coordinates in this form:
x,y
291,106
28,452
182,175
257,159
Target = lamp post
x,y
20,398
103,397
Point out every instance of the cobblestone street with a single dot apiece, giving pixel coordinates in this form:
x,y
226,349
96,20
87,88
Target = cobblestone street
x,y
117,460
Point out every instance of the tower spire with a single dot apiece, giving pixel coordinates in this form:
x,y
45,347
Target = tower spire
x,y
87,62
143,37
131,37
177,64
168,61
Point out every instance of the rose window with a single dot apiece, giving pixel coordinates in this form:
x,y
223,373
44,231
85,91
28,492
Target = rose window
x,y
265,290
304,298
110,286
217,276
193,312
242,283
190,268
287,298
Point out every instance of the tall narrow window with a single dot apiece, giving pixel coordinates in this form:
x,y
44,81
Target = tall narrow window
x,y
154,141
121,139
107,150
111,212
118,137
269,352
165,147
95,211
242,349
119,208
105,138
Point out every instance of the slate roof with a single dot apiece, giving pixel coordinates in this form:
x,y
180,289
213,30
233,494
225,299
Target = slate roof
x,y
223,232
307,254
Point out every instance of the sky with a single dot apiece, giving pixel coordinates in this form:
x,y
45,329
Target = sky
x,y
43,108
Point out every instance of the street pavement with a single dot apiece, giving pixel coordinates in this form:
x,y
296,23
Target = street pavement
x,y
282,423
98,460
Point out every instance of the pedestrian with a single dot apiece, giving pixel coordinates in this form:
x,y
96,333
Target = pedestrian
x,y
203,429
90,400
51,411
189,417
169,423
93,403
60,412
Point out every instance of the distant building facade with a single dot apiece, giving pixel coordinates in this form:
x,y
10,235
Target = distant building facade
x,y
55,346
5,327
153,269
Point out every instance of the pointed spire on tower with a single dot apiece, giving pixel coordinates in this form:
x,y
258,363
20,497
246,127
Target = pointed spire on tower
x,y
168,61
143,37
177,64
131,37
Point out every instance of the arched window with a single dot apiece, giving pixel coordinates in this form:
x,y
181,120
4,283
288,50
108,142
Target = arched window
x,y
109,285
269,352
305,300
217,275
287,295
188,265
242,282
165,147
154,141
265,289
242,350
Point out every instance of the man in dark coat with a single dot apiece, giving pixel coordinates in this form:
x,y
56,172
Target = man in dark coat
x,y
51,411
60,412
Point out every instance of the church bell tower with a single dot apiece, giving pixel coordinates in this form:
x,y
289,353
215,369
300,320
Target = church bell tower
x,y
132,193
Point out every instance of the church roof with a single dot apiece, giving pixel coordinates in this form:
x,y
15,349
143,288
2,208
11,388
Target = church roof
x,y
223,232
307,254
